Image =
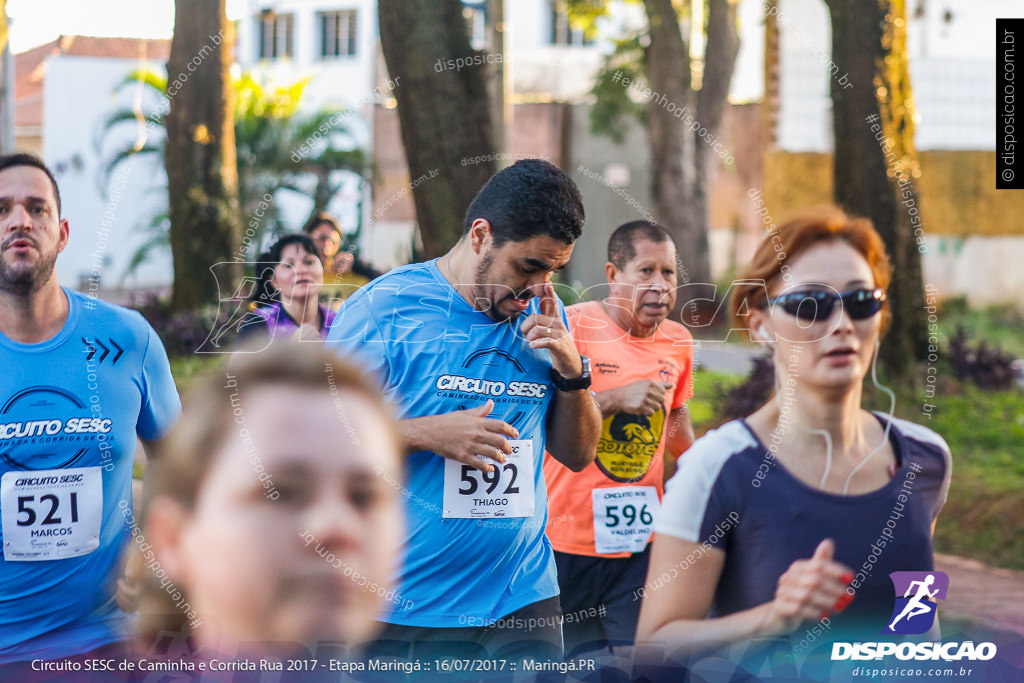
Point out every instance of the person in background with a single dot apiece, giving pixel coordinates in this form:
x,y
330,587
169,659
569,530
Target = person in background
x,y
273,509
82,382
344,272
799,513
601,518
473,349
288,300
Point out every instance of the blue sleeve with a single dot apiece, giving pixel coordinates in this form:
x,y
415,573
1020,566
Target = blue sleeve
x,y
356,336
160,403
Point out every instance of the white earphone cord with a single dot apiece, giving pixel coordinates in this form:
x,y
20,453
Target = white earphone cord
x,y
828,437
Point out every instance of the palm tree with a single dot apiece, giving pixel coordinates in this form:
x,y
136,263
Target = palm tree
x,y
277,148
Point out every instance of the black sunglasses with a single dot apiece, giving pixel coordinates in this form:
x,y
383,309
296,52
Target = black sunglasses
x,y
817,305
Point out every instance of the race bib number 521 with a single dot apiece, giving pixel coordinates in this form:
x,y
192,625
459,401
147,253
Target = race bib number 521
x,y
505,492
51,514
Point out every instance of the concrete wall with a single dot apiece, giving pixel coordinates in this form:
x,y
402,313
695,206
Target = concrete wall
x,y
615,183
974,233
956,191
614,180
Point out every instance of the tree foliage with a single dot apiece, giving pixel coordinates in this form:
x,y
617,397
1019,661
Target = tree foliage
x,y
614,110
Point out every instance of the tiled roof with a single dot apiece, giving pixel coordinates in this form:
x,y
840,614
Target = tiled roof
x,y
30,66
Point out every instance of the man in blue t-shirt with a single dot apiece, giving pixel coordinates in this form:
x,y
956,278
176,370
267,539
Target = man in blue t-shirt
x,y
473,349
82,381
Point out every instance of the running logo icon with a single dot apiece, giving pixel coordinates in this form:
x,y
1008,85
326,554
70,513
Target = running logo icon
x,y
916,593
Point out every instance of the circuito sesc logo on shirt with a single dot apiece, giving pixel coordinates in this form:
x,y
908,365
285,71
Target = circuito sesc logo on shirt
x,y
496,375
628,444
45,427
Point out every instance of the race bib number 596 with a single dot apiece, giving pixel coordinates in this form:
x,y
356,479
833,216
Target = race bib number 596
x,y
51,514
624,518
505,492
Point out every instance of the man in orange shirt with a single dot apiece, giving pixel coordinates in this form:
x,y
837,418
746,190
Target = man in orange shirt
x,y
601,518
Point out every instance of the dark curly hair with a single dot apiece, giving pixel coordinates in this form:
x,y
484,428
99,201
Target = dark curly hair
x,y
266,293
529,198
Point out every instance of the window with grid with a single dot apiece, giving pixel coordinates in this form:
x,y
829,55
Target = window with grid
x,y
338,33
275,35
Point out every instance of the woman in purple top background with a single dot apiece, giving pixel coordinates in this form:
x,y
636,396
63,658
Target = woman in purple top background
x,y
291,275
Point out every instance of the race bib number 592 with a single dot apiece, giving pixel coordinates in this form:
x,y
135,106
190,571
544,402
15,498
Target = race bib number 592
x,y
505,492
51,514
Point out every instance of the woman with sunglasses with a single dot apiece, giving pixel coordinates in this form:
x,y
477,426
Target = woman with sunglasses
x,y
789,522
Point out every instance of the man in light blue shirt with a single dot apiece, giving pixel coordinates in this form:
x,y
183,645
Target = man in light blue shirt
x,y
82,381
474,351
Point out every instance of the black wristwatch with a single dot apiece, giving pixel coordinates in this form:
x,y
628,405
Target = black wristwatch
x,y
576,383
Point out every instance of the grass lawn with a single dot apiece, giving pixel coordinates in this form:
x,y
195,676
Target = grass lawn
x,y
708,385
984,515
187,369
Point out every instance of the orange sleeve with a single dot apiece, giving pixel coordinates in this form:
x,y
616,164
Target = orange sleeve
x,y
684,387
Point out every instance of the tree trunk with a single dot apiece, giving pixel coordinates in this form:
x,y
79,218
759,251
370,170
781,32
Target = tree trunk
x,y
444,112
721,48
679,153
673,179
202,178
873,178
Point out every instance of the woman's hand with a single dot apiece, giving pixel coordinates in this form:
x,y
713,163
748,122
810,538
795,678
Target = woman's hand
x,y
810,590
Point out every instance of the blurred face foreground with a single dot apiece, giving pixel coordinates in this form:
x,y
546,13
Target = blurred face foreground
x,y
291,569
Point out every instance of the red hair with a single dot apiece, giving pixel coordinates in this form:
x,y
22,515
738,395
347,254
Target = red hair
x,y
778,249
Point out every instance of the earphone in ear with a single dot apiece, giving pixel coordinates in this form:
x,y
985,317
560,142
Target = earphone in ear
x,y
763,335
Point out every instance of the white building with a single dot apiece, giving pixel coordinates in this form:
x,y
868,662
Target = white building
x,y
64,91
952,69
952,57
336,44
